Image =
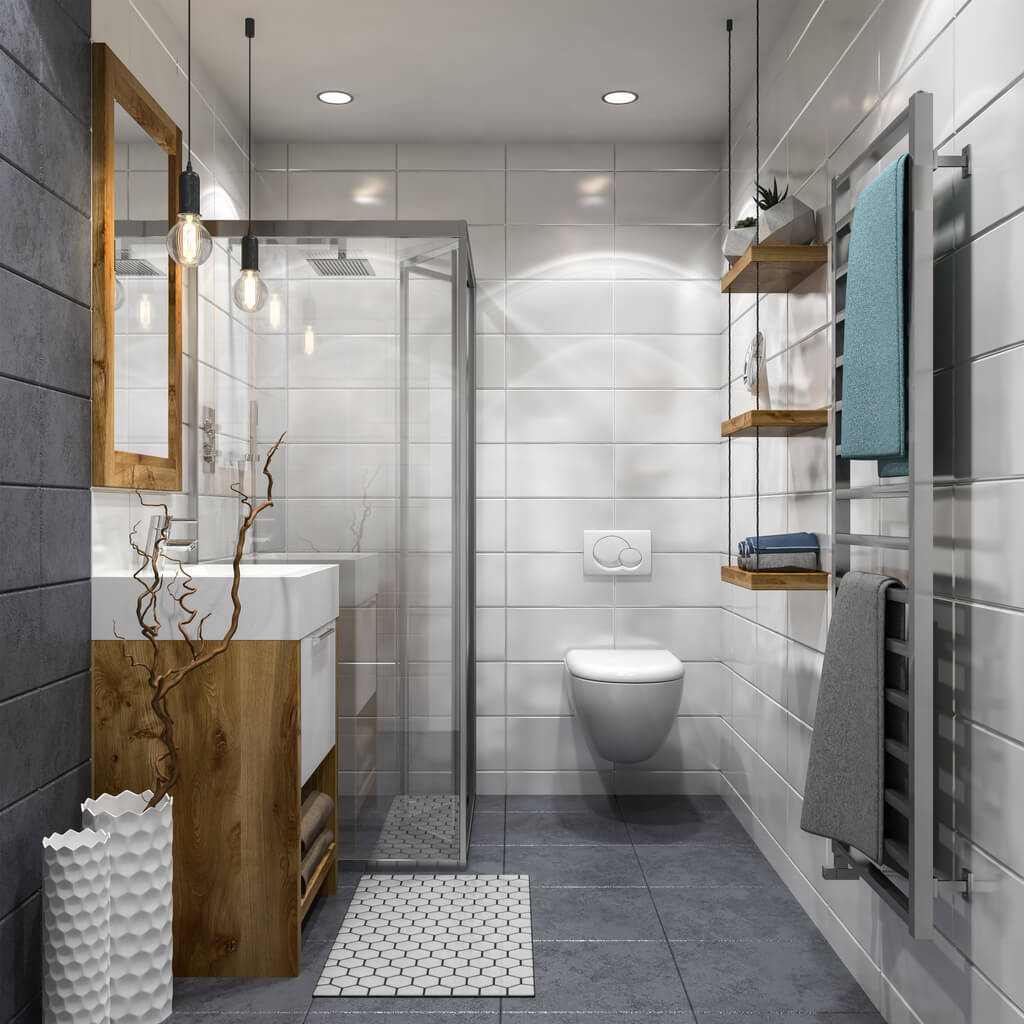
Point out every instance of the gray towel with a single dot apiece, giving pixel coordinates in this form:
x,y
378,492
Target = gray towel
x,y
316,809
843,792
792,561
317,850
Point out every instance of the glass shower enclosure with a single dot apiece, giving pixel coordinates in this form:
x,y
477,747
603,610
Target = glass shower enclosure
x,y
363,358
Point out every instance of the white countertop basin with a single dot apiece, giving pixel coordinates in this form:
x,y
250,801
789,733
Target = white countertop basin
x,y
359,573
280,601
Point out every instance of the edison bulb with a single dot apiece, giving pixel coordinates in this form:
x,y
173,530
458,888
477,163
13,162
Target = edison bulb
x,y
188,242
309,341
118,294
145,312
250,291
275,311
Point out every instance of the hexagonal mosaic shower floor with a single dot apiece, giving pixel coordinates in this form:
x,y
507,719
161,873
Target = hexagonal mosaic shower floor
x,y
434,935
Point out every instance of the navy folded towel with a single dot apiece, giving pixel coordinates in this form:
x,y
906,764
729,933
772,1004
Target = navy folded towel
x,y
874,424
779,543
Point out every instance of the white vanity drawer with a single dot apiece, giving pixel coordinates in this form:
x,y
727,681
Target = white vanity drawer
x,y
319,716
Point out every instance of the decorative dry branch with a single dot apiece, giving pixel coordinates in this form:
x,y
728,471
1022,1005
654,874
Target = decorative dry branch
x,y
357,524
153,583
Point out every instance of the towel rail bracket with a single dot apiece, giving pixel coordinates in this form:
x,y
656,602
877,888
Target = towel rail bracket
x,y
963,161
843,866
964,886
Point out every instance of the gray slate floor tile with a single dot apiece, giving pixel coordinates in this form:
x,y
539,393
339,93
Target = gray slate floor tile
x,y
695,865
254,995
593,913
369,1015
762,913
656,820
714,1017
583,976
537,828
625,1017
604,806
325,917
575,865
758,977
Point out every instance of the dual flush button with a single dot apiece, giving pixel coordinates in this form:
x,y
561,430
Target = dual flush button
x,y
617,552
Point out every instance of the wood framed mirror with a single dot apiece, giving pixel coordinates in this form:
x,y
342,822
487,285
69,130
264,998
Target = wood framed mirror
x,y
136,286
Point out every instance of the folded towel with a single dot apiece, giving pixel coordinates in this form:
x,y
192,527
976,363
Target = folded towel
x,y
874,424
316,809
779,542
317,851
843,791
779,561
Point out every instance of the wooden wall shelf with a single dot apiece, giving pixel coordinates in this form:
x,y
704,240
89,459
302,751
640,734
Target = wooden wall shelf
x,y
775,422
782,268
774,580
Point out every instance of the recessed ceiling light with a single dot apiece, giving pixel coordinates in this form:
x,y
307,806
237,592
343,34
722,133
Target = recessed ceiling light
x,y
619,96
334,96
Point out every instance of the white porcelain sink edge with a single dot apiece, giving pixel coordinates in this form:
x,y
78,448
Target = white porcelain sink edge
x,y
284,601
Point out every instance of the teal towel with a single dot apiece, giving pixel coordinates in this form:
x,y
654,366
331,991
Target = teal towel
x,y
874,349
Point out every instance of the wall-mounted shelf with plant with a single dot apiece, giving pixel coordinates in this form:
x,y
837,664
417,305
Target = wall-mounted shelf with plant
x,y
779,257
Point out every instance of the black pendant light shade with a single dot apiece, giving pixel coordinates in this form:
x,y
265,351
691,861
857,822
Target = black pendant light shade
x,y
250,290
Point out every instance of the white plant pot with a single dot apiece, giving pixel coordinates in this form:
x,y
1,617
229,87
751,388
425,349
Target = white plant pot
x,y
76,928
737,242
790,222
141,903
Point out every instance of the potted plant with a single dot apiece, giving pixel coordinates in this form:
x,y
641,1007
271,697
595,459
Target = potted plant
x,y
140,825
739,239
784,219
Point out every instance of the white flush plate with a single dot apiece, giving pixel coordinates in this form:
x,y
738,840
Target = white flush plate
x,y
617,552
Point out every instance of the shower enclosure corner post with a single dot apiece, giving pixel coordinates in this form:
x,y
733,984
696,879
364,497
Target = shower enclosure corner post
x,y
464,411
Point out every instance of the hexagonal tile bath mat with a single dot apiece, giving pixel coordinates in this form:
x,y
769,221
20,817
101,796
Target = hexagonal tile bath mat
x,y
434,935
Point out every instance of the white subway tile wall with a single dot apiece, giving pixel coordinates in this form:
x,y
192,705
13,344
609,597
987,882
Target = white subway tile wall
x,y
840,72
599,373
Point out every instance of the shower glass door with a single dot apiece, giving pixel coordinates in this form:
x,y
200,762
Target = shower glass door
x,y
363,356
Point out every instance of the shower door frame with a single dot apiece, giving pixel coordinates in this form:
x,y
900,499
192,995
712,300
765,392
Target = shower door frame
x,y
463,461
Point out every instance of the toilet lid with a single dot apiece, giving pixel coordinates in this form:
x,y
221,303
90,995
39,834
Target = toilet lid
x,y
624,666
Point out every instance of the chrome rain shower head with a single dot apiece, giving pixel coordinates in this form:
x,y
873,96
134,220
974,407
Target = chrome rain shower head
x,y
125,265
340,264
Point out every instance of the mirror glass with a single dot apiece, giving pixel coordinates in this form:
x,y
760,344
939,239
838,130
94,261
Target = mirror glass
x,y
141,304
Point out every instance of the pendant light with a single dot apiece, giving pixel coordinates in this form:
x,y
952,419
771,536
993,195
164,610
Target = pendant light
x,y
188,242
250,291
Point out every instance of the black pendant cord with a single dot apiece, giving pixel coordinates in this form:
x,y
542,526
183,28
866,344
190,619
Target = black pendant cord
x,y
757,279
728,221
188,120
250,31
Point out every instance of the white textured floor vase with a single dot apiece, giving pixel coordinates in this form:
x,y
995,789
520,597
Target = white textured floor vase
x,y
76,928
434,935
141,904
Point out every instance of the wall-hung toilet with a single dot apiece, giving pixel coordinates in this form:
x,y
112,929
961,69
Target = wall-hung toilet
x,y
627,700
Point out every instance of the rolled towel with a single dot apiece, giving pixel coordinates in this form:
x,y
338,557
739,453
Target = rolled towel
x,y
312,860
779,542
316,809
776,561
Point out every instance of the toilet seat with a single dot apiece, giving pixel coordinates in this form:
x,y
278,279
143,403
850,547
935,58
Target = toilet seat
x,y
608,665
